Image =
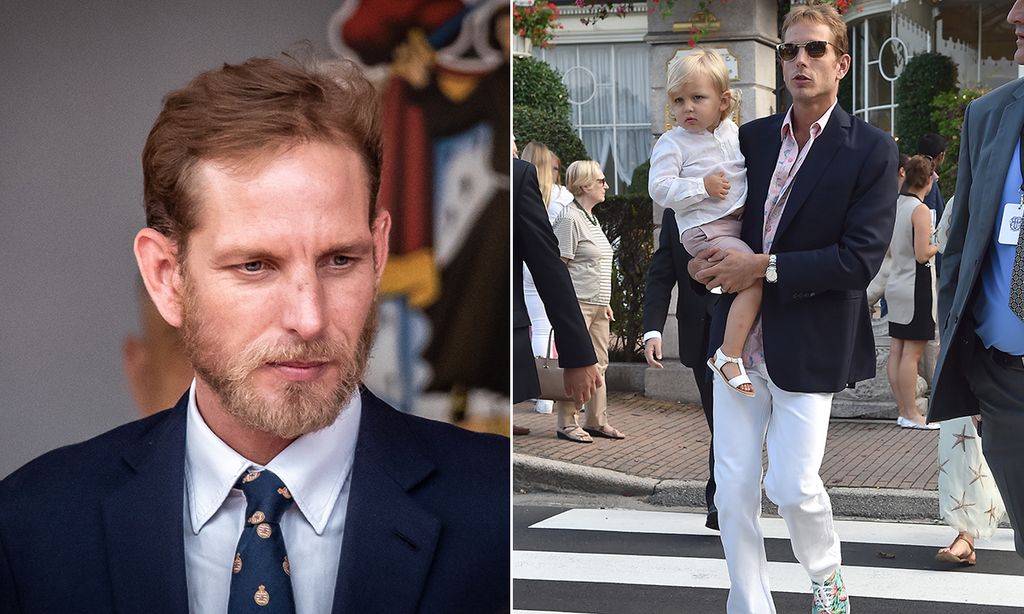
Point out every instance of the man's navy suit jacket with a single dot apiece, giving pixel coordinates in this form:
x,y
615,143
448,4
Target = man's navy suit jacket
x,y
99,526
830,242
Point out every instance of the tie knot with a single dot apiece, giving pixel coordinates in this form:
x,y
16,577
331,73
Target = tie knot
x,y
266,497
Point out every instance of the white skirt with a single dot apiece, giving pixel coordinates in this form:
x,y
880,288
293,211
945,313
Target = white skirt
x,y
969,500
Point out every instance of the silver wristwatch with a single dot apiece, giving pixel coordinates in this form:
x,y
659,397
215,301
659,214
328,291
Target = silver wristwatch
x,y
771,275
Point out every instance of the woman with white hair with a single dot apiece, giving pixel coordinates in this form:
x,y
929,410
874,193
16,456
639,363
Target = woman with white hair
x,y
588,255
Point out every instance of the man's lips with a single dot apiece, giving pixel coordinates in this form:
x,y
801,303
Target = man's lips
x,y
299,371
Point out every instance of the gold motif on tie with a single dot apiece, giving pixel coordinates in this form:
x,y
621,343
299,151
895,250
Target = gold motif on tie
x,y
249,477
262,597
237,566
284,492
264,530
287,568
257,518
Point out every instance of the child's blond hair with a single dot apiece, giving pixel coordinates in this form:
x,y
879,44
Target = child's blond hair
x,y
701,62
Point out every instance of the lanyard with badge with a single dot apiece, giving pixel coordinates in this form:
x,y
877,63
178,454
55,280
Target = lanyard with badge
x,y
1009,228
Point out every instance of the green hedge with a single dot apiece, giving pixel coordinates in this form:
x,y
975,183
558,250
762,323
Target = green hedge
x,y
530,124
537,85
926,76
948,114
626,220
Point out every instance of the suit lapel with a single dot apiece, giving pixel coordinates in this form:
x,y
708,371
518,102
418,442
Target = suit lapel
x,y
389,538
761,158
815,165
143,521
995,157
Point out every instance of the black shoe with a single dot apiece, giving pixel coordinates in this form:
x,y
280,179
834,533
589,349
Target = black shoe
x,y
712,521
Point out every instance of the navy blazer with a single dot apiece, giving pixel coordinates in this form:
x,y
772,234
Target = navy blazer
x,y
668,270
99,526
830,242
988,139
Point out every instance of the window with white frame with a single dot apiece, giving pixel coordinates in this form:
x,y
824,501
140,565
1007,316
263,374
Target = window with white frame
x,y
609,90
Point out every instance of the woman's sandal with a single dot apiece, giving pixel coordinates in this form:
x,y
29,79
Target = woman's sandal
x,y
719,360
606,431
574,433
946,554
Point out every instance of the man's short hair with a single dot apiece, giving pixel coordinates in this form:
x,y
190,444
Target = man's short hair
x,y
931,144
824,14
242,112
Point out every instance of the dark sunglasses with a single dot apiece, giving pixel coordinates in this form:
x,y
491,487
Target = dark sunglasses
x,y
815,49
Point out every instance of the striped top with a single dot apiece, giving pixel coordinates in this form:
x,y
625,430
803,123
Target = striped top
x,y
589,254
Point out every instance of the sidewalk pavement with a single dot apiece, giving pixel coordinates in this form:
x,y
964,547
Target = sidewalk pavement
x,y
872,468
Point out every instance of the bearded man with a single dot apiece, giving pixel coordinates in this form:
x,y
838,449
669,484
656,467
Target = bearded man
x,y
277,483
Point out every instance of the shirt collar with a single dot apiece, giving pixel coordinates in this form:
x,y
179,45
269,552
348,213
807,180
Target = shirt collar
x,y
315,466
816,126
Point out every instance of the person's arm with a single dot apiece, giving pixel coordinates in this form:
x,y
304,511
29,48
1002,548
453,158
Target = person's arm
x,y
665,185
540,254
942,230
959,217
921,219
661,278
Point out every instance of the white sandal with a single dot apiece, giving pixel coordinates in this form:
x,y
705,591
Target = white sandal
x,y
719,360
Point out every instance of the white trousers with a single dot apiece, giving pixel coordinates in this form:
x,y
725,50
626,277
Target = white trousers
x,y
540,329
794,425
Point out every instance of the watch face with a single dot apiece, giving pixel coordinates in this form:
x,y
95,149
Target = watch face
x,y
770,276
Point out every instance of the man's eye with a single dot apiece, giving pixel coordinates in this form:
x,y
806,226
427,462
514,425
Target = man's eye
x,y
252,267
340,260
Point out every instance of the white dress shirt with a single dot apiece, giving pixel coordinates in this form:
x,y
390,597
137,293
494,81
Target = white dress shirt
x,y
682,159
315,468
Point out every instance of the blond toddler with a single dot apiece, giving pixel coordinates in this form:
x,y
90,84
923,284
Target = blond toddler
x,y
698,171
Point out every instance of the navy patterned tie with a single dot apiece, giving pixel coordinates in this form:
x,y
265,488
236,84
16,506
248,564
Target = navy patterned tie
x,y
261,577
1017,277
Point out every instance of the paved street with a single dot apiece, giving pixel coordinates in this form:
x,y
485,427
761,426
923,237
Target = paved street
x,y
573,555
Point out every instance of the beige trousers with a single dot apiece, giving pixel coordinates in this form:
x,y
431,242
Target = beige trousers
x,y
600,333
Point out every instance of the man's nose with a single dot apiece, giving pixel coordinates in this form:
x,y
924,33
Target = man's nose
x,y
303,305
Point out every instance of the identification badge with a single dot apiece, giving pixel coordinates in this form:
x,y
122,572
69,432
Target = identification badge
x,y
1009,228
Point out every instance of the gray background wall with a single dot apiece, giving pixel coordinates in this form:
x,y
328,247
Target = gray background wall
x,y
80,85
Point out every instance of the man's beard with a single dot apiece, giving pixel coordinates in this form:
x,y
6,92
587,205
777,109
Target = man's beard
x,y
294,408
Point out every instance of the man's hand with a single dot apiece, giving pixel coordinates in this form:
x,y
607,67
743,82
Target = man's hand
x,y
717,185
608,313
698,263
652,352
582,382
732,270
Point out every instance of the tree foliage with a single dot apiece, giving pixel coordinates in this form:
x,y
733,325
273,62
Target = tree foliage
x,y
948,114
626,221
539,86
926,76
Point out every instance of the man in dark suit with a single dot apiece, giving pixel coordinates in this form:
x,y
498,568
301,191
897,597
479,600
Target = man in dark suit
x,y
934,146
981,291
534,244
277,480
693,317
819,217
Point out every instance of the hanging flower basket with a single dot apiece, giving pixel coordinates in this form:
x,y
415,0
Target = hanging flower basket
x,y
537,23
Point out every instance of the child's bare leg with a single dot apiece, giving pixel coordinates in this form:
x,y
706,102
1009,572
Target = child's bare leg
x,y
742,314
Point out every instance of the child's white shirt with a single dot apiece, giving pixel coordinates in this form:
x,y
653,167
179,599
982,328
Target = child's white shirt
x,y
682,159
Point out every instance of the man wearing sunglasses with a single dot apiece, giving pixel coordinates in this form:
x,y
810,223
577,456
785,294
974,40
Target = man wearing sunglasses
x,y
981,290
819,216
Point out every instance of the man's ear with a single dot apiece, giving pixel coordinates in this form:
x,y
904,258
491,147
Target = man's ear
x,y
381,229
157,256
844,65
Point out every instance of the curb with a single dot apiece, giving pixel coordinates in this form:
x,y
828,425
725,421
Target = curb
x,y
534,474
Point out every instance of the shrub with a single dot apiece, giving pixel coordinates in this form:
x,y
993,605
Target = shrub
x,y
926,76
537,85
948,114
530,124
638,182
626,220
